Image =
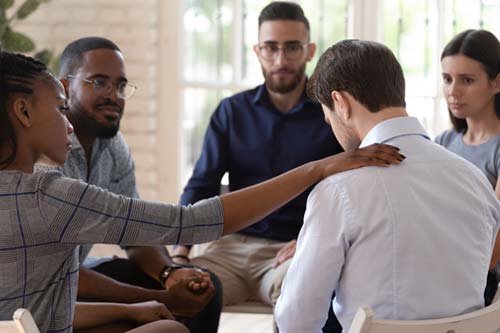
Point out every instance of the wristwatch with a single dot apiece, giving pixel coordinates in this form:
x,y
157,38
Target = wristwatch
x,y
166,271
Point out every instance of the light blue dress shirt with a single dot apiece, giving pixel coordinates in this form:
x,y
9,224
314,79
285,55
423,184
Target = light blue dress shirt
x,y
412,241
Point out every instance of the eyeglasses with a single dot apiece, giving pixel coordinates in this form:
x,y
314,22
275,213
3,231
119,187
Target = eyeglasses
x,y
103,86
291,51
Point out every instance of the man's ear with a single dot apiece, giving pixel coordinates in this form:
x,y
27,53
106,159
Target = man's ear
x,y
23,111
311,51
342,105
256,50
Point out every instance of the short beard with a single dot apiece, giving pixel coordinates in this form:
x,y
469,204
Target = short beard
x,y
100,131
104,132
280,87
346,135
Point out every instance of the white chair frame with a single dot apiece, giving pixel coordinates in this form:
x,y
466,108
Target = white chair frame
x,y
22,323
486,320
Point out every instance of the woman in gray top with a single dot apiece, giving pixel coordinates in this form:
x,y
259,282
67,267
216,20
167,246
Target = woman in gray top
x,y
45,216
471,86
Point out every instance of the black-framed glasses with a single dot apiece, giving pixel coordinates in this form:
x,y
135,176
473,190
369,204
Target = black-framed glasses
x,y
291,51
103,85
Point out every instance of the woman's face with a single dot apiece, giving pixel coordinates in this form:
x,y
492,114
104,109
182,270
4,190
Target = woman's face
x,y
468,90
51,129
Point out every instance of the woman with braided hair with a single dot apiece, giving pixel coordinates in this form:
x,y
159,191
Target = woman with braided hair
x,y
44,216
30,96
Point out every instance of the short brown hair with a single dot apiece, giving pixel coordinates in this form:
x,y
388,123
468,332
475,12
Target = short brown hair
x,y
283,10
367,70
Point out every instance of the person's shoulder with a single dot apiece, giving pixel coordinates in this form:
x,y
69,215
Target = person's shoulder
x,y
348,175
43,177
236,104
496,142
495,149
447,137
48,173
347,179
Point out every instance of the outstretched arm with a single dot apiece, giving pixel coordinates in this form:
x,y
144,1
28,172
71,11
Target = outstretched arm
x,y
120,220
249,205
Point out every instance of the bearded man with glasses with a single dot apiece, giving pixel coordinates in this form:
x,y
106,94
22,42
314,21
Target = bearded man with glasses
x,y
256,135
92,71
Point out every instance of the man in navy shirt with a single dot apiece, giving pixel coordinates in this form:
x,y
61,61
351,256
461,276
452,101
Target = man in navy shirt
x,y
254,136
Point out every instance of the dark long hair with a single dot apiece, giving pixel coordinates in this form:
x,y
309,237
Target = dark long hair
x,y
17,75
482,46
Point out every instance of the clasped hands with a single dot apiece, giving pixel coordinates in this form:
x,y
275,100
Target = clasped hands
x,y
189,291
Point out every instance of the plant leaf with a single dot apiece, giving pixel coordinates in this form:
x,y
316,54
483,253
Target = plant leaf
x,y
3,21
6,4
3,29
17,42
54,64
44,56
28,7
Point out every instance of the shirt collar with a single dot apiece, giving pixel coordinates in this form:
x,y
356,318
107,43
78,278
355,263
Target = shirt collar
x,y
75,143
393,128
259,95
262,96
99,143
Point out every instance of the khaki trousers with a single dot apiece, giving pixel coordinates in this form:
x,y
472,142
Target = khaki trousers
x,y
244,266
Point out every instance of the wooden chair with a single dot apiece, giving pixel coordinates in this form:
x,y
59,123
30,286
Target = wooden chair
x,y
22,323
486,320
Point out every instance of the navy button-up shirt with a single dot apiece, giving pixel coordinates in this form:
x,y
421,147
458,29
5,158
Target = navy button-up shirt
x,y
253,141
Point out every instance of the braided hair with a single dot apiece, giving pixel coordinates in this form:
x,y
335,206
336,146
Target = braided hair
x,y
17,75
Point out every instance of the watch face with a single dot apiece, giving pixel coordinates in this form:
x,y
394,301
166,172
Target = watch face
x,y
167,270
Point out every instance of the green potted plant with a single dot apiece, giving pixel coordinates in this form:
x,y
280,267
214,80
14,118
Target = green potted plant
x,y
16,41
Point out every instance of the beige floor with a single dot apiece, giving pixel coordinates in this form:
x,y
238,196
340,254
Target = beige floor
x,y
246,323
230,322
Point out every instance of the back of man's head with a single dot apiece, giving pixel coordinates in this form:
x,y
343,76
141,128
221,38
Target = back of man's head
x,y
283,10
367,70
73,53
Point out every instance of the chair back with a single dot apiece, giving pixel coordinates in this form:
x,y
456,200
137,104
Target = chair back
x,y
486,320
22,323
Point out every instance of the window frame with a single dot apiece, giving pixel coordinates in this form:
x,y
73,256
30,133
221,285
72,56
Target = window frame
x,y
362,24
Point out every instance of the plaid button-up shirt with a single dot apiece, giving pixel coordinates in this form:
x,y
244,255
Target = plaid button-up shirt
x,y
44,216
110,167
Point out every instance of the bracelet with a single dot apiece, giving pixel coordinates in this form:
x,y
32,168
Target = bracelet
x,y
166,271
182,256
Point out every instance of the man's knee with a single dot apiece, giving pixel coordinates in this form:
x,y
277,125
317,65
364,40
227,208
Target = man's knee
x,y
276,281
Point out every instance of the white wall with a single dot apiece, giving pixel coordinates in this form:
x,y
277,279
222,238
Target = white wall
x,y
146,31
